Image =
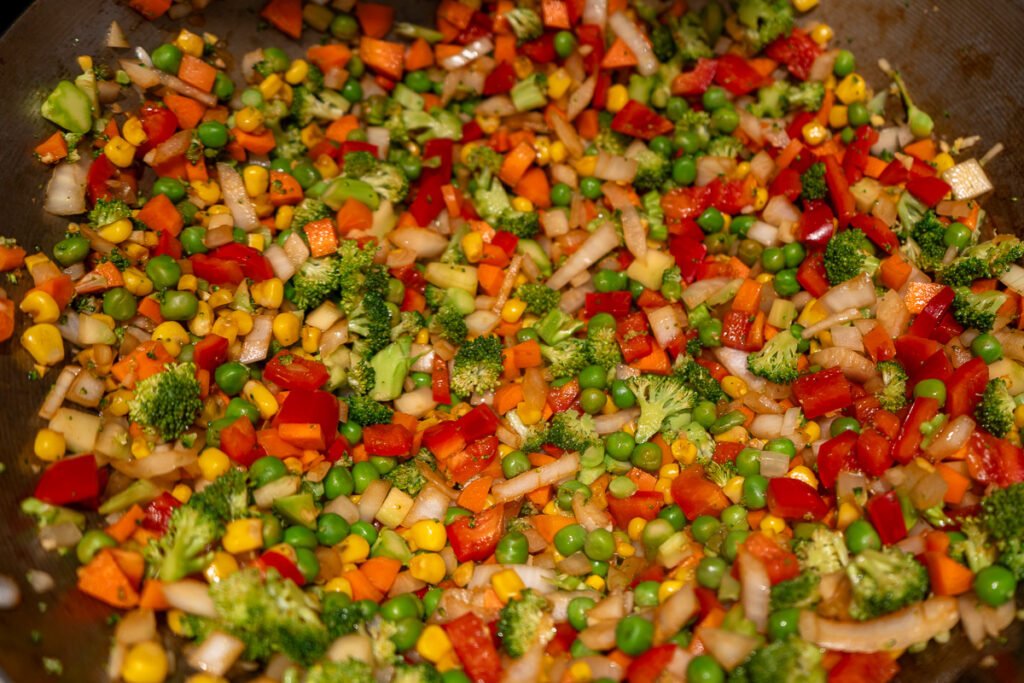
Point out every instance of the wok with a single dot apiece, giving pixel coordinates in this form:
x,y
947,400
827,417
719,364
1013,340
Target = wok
x,y
962,59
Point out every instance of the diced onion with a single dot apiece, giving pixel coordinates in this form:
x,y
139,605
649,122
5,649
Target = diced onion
x,y
136,626
854,365
735,361
372,499
773,464
636,41
431,503
279,262
595,12
65,193
417,403
544,475
157,464
468,54
295,247
601,242
766,426
780,210
580,98
952,438
216,654
116,37
265,495
257,342
424,243
59,390
666,324
729,648
614,168
968,179
764,233
858,292
191,597
710,168
755,589
697,293
236,198
915,624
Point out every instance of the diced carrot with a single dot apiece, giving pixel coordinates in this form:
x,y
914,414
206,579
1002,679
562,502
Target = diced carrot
x,y
150,308
330,56
555,14
131,563
458,13
788,154
375,19
284,189
11,258
516,163
490,278
879,344
188,111
6,319
362,588
937,541
587,124
549,525
971,219
527,354
919,294
161,214
110,273
644,481
383,57
381,572
505,49
61,288
875,167
322,238
146,360
122,529
52,149
305,435
150,9
535,187
957,484
452,199
256,143
923,149
763,65
419,55
656,361
620,658
539,496
175,167
285,16
270,440
443,51
196,72
104,580
618,56
447,29
507,397
474,494
197,172
405,420
947,576
748,298
152,596
508,365
354,215
340,128
894,271
826,106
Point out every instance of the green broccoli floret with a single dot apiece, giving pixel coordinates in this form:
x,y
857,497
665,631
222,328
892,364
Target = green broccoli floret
x,y
108,211
807,96
46,514
986,260
701,440
977,310
571,431
226,498
324,106
348,671
930,237
812,182
699,380
725,146
478,366
662,41
824,552
883,581
764,21
390,367
995,410
309,210
387,180
359,164
602,347
772,101
1001,514
416,673
607,140
449,324
365,411
360,376
791,660
963,270
893,395
358,275
567,358
380,110
847,255
661,398
520,620
490,199
409,324
483,158
530,93
341,616
800,592
525,23
315,281
522,224
557,326
167,403
539,299
777,359
182,550
691,40
407,476
696,122
288,143
719,473
437,124
652,170
976,549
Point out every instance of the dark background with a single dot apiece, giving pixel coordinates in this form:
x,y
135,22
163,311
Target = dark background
x,y
10,11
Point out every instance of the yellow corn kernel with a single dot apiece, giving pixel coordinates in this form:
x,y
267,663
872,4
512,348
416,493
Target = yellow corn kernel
x,y
310,339
189,43
227,328
772,524
188,283
595,582
513,310
423,336
286,328
41,306
550,509
522,204
354,548
140,449
213,462
523,66
133,132
311,135
812,313
473,246
202,323
33,260
943,162
243,320
741,172
507,584
172,335
207,190
585,166
135,252
812,431
429,534
269,293
339,584
839,117
210,678
804,474
49,445
327,166
1018,416
851,89
635,528
223,564
848,514
181,493
733,489
734,386
668,588
463,573
283,217
259,395
822,34
625,549
558,83
117,402
488,124
248,119
765,278
684,451
297,72
428,567
270,86
256,179
119,151
243,535
618,96
433,643
609,407
528,415
814,133
558,152
145,662
580,671
543,147
737,434
218,210
118,231
103,318
804,5
174,621
44,343
669,471
663,485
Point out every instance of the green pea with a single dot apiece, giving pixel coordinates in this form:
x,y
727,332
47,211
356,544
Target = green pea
x,y
622,487
331,529
568,490
711,220
995,585
527,334
755,491
357,135
223,86
431,599
231,377
276,59
356,67
794,254
858,114
593,377
661,145
609,280
844,424
172,188
401,607
570,539
164,271
710,333
352,432
71,250
352,91
593,400
455,676
646,456
781,445
861,535
338,482
733,541
306,173
577,610
656,532
344,27
91,543
748,462
773,260
725,119
300,537
213,430
847,135
634,635
797,331
600,545
193,240
684,170
591,188
362,474
239,407
265,470
565,43
704,527
619,445
671,290
561,194
675,108
421,379
601,321
179,305
119,304
710,571
366,531
845,64
741,225
513,548
750,252
251,97
931,388
622,395
705,414
213,134
407,632
987,348
714,98
735,517
515,463
673,514
717,243
273,532
281,165
646,594
783,623
957,235
382,464
167,58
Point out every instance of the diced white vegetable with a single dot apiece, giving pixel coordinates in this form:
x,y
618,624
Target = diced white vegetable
x,y
445,275
649,269
968,179
394,508
79,429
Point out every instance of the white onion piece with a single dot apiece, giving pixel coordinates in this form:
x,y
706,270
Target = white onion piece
x,y
65,193
633,233
968,179
1013,278
755,589
764,233
614,168
673,614
405,583
839,318
280,263
773,465
780,210
636,41
595,12
567,134
417,403
116,37
525,668
344,507
59,536
854,365
356,646
265,495
847,483
431,503
216,654
729,648
172,147
55,397
295,247
735,361
666,324
499,105
554,222
589,515
709,168
847,337
87,390
766,426
751,125
173,82
762,166
140,75
698,292
379,137
157,464
581,97
424,243
858,292
951,439
372,499
541,476
191,597
600,636
136,626
915,624
481,322
236,198
603,241
257,342
971,619
608,424
468,54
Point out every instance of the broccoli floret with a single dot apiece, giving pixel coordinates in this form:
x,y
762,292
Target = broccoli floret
x,y
358,275
995,410
483,158
361,377
288,143
823,553
772,101
661,398
663,42
525,23
557,326
324,106
893,395
571,431
435,296
777,359
812,182
963,270
725,146
108,211
977,549
226,499
800,592
438,124
522,224
696,122
409,324
530,93
652,170
602,347
691,39
763,21
699,380
315,281
416,673
341,616
490,198
883,581
380,110
985,260
386,179
449,324
358,164
539,299
1001,513
390,367
808,95
719,472
166,403
792,660
365,411
847,255
701,440
182,550
309,210
51,515
930,237
348,671
407,476
567,358
520,620
977,310
478,366
607,140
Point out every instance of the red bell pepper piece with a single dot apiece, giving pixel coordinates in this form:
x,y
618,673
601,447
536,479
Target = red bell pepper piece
x,y
475,648
947,328
839,191
932,313
649,666
541,50
737,76
640,121
994,461
689,254
100,171
780,563
685,202
874,452
697,496
157,512
289,371
158,122
444,439
634,336
937,366
210,352
736,329
71,480
811,274
387,440
797,51
816,225
643,504
500,80
794,499
472,460
822,392
428,202
440,381
302,405
350,146
238,440
857,667
254,265
894,173
216,271
325,146
616,304
283,565
338,449
876,231
929,190
912,351
787,183
592,36
478,423
697,80
858,152
886,515
965,387
908,443
474,537
471,132
561,398
836,455
167,244
505,241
